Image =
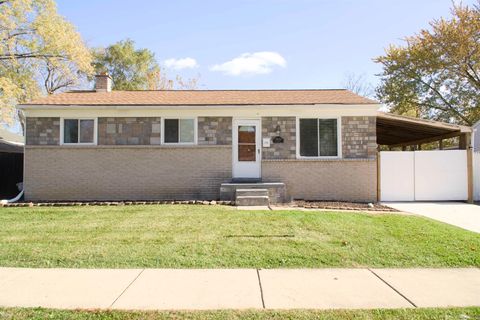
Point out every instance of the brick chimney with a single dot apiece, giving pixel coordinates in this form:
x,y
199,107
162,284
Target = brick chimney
x,y
103,82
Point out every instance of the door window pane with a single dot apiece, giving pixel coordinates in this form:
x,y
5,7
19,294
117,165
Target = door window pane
x,y
86,131
309,137
70,131
246,143
246,152
328,137
187,128
246,134
171,130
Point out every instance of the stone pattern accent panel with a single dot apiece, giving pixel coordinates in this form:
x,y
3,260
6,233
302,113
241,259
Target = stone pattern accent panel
x,y
42,131
129,131
287,126
214,130
335,180
359,137
126,173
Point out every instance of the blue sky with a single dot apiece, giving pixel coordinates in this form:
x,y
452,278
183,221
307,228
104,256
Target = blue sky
x,y
259,44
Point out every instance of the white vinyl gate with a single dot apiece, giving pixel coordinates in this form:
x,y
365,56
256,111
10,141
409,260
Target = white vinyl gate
x,y
423,175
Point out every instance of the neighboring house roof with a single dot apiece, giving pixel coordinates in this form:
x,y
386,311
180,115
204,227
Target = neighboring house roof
x,y
204,97
7,135
10,142
476,124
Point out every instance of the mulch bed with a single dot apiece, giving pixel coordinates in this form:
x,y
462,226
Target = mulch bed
x,y
338,205
111,203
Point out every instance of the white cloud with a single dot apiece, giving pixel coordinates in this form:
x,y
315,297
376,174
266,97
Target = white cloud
x,y
182,63
251,63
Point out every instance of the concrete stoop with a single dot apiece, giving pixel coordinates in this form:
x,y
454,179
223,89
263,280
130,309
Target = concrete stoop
x,y
252,197
254,194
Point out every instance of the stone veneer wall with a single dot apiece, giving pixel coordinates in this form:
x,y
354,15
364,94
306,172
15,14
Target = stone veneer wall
x,y
129,131
126,172
214,130
285,150
359,137
337,180
42,131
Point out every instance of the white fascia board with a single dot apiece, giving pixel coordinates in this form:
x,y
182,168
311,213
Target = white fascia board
x,y
227,110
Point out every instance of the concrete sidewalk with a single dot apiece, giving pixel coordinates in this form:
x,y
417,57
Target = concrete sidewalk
x,y
189,289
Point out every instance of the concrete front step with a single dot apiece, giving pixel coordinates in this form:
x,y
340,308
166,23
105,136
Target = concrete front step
x,y
252,201
251,192
276,190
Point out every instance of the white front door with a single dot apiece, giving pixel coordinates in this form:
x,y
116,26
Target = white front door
x,y
247,154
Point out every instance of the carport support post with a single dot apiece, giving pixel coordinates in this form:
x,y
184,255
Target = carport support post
x,y
378,177
465,140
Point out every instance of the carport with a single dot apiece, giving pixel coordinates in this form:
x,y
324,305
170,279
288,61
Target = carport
x,y
11,163
401,131
413,174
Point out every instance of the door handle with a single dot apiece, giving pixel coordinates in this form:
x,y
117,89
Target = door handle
x,y
258,151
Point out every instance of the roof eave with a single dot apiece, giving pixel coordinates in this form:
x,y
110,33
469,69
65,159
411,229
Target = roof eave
x,y
167,106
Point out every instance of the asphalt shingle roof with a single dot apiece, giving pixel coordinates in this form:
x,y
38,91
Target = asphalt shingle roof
x,y
204,97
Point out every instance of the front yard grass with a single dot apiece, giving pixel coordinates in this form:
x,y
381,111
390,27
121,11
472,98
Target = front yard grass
x,y
183,236
399,314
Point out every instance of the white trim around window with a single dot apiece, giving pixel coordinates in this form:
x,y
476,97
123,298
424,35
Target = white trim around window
x,y
95,132
195,131
339,138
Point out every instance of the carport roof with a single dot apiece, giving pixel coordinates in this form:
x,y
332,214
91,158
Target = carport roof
x,y
396,130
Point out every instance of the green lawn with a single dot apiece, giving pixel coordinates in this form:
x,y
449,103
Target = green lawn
x,y
182,236
401,314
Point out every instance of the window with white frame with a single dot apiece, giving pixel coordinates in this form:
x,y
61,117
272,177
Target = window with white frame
x,y
79,131
179,130
318,137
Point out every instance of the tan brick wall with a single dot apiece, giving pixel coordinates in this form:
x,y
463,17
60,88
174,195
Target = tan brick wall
x,y
341,180
126,173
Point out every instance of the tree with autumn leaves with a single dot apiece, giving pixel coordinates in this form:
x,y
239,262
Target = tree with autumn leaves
x,y
436,74
39,52
42,53
136,69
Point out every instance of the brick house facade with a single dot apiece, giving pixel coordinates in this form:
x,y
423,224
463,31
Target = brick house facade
x,y
131,155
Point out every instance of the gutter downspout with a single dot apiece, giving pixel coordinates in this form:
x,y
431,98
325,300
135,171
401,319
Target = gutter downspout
x,y
5,201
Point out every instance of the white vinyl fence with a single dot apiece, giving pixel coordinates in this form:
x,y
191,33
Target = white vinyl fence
x,y
476,176
424,175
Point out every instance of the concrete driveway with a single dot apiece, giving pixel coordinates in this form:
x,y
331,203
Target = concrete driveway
x,y
463,215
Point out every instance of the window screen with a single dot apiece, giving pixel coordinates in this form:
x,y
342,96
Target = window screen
x,y
309,137
171,130
70,131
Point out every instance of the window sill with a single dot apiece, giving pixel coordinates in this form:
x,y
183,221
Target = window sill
x,y
320,160
125,146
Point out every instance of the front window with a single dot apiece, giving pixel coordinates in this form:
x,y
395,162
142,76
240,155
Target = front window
x,y
79,131
179,131
318,137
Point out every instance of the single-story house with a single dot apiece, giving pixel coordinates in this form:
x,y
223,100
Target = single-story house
x,y
202,144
